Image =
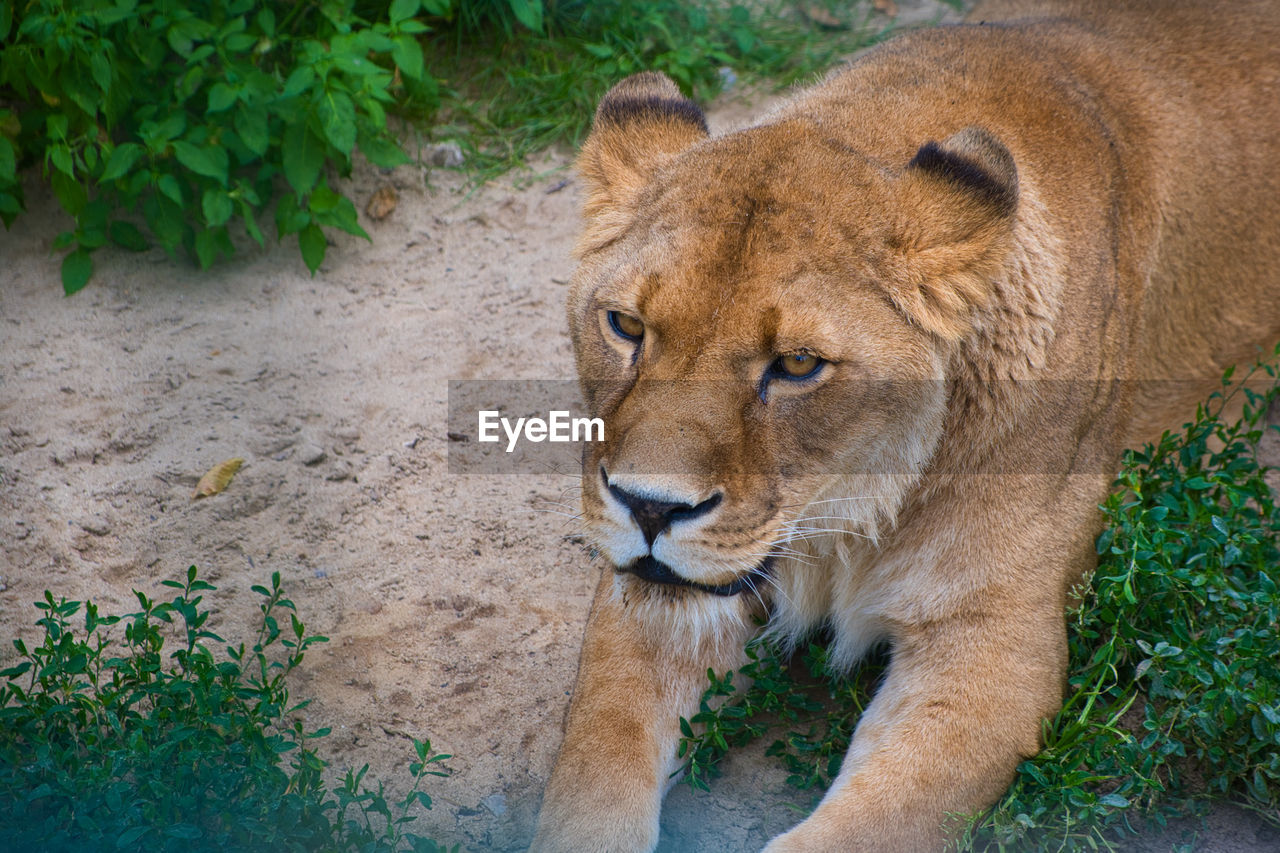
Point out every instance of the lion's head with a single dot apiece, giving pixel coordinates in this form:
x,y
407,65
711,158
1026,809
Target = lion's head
x,y
764,320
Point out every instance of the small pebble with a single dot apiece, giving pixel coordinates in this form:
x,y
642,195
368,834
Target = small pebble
x,y
448,155
496,804
311,454
96,526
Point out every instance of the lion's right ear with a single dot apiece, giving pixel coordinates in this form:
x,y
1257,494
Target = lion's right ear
x,y
640,124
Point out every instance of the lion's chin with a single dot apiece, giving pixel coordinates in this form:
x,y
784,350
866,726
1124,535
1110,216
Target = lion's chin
x,y
654,571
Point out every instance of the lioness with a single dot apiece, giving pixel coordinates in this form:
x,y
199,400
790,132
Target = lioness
x,y
871,365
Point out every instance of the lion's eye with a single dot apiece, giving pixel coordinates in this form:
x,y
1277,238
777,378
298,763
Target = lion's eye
x,y
797,365
626,326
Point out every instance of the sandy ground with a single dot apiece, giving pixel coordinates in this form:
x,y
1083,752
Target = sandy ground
x,y
454,603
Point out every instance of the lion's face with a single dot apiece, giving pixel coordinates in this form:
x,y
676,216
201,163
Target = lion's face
x,y
739,328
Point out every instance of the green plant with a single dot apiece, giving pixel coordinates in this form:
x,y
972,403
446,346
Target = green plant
x,y
110,744
519,91
1174,680
189,111
171,121
818,709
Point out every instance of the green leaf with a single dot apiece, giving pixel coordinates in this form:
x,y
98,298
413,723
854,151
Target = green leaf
x,y
77,269
303,158
402,9
10,207
217,207
206,245
407,54
528,12
129,838
333,209
122,159
251,223
170,188
71,193
221,97
299,81
60,156
210,162
127,235
338,120
240,42
313,245
179,41
8,161
251,124
290,219
381,150
100,68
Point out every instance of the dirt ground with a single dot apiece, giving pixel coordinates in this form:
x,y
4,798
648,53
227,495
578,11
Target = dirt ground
x,y
454,603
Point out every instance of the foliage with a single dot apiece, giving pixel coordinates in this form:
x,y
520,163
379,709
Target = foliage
x,y
188,112
818,707
114,745
189,118
521,94
1174,681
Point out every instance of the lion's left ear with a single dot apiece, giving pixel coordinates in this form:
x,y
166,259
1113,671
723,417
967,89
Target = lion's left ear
x,y
957,201
639,125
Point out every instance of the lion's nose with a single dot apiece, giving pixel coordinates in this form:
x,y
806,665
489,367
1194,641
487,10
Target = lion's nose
x,y
654,515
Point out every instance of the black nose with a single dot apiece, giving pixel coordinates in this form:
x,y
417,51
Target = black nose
x,y
655,516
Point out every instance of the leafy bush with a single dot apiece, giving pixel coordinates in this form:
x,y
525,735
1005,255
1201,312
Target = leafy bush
x,y
190,116
1174,679
188,112
111,745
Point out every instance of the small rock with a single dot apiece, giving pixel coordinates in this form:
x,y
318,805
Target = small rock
x,y
383,202
311,454
447,155
347,434
728,78
341,471
97,526
321,573
496,804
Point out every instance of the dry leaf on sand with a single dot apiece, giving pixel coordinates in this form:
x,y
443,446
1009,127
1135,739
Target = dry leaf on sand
x,y
888,7
217,478
382,203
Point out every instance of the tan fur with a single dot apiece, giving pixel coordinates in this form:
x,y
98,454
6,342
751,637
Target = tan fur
x,y
1021,245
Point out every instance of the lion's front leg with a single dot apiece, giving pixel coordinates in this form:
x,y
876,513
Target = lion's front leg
x,y
960,708
620,744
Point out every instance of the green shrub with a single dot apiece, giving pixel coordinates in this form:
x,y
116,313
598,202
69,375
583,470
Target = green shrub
x,y
189,112
191,117
111,744
1174,680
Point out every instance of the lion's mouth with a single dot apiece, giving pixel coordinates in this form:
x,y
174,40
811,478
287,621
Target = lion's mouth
x,y
649,569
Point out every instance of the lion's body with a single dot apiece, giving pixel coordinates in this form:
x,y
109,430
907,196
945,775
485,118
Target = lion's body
x,y
1012,249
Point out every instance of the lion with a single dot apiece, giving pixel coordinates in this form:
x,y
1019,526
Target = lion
x,y
871,364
